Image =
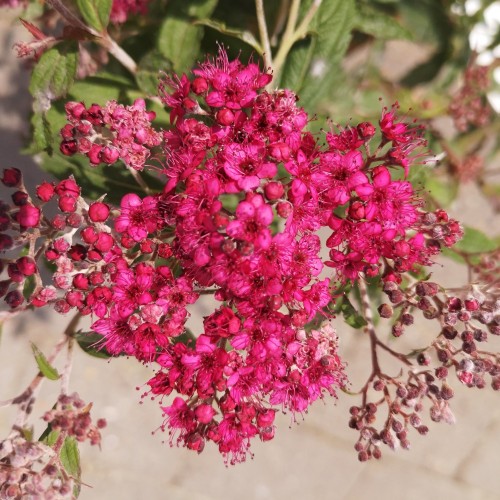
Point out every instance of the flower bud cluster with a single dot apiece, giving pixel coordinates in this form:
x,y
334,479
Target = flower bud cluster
x,y
107,134
469,106
122,9
31,469
71,416
404,402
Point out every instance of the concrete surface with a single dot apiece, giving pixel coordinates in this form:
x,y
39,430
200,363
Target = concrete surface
x,y
312,460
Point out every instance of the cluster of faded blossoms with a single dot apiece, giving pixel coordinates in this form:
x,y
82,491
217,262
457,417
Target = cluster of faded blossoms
x,y
246,190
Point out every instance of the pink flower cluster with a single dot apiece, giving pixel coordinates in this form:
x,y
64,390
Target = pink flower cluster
x,y
121,9
106,134
247,189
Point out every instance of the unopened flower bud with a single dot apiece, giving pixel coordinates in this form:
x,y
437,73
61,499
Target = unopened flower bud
x,y
45,191
109,155
199,85
20,198
366,130
95,154
12,177
284,209
14,299
385,311
26,266
407,319
67,203
357,210
28,216
224,117
74,220
446,392
68,148
397,330
274,190
98,212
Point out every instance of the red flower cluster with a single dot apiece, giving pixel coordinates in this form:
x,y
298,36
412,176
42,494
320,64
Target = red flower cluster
x,y
110,133
121,9
247,190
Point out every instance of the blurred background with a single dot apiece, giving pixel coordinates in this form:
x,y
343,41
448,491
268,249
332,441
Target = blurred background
x,y
309,459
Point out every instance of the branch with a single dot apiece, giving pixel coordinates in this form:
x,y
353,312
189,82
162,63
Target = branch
x,y
264,37
119,54
26,399
291,34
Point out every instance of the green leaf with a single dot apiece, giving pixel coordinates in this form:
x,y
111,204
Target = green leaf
x,y
314,64
44,366
179,39
29,287
186,337
443,191
70,459
41,133
451,254
351,316
27,433
475,241
52,78
430,23
95,12
382,26
98,89
91,343
54,74
149,70
243,35
49,436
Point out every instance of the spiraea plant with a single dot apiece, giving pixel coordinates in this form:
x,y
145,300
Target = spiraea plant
x,y
293,230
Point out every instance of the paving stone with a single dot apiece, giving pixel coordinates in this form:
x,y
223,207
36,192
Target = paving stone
x,y
393,479
480,468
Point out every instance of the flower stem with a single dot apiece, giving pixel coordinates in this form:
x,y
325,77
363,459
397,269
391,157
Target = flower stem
x,y
264,37
119,54
26,399
293,34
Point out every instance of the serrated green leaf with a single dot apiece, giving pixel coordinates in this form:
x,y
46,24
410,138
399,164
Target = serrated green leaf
x,y
91,343
313,65
95,12
46,369
54,73
380,25
179,39
443,191
475,241
149,69
41,133
70,459
430,23
243,35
